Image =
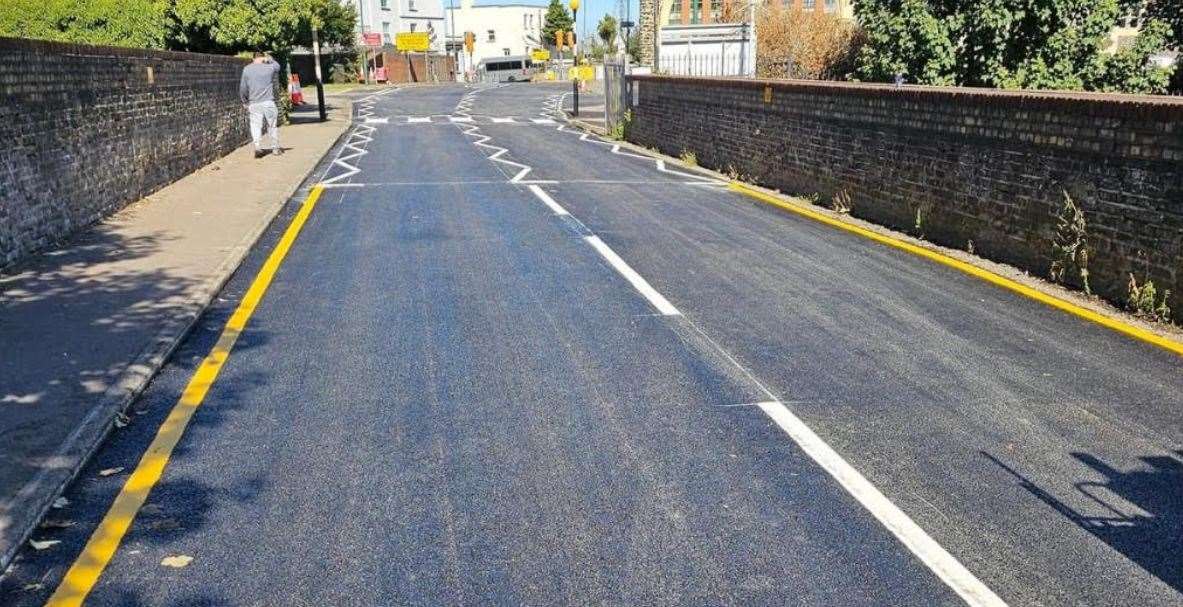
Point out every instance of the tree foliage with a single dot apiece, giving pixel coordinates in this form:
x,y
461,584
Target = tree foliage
x,y
223,26
136,23
606,29
276,25
557,19
1040,44
796,43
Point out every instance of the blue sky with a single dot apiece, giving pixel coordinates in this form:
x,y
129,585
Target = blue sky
x,y
594,9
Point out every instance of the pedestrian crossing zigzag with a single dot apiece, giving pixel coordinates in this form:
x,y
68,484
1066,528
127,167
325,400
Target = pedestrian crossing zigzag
x,y
357,140
659,164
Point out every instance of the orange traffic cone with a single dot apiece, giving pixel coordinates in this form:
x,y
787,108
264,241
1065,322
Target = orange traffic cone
x,y
295,91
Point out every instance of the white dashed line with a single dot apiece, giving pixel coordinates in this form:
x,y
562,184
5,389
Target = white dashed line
x,y
550,202
412,119
639,283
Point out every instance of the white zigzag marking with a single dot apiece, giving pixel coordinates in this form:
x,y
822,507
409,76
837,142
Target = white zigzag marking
x,y
357,139
555,103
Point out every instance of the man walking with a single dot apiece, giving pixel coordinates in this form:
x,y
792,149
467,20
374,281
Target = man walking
x,y
257,90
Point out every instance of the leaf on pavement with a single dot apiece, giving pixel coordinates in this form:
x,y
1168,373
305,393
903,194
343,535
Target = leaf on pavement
x,y
43,545
33,586
56,523
121,420
164,524
151,509
110,471
177,561
60,503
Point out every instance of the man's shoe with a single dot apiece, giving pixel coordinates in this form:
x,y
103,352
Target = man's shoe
x,y
277,152
260,153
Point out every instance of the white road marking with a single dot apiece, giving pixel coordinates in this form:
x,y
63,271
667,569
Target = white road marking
x,y
460,118
943,564
639,283
377,120
550,202
503,120
542,121
411,119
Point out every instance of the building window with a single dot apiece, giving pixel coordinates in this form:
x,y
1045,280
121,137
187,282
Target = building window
x,y
808,5
492,36
411,5
831,6
696,11
505,51
385,4
386,32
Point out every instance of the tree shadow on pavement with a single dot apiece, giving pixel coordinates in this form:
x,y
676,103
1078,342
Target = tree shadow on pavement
x,y
1144,522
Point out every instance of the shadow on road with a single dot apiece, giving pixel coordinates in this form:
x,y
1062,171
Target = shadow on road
x,y
1144,523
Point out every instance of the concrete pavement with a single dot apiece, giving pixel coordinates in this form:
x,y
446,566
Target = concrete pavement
x,y
86,325
452,393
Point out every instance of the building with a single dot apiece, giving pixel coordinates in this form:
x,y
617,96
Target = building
x,y
501,29
689,12
389,17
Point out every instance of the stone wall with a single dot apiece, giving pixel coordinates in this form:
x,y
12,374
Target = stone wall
x,y
953,165
86,130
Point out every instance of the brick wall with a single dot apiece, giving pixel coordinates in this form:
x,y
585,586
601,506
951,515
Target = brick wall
x,y
85,130
984,166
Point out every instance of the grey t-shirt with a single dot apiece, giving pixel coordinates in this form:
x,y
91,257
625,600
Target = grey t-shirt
x,y
258,82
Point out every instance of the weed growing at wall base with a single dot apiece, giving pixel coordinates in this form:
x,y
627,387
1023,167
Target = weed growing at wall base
x,y
1070,246
1145,303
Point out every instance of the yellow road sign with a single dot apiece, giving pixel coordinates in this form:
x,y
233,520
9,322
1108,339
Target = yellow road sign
x,y
415,42
540,54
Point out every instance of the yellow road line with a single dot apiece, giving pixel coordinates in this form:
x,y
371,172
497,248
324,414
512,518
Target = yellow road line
x,y
972,270
100,549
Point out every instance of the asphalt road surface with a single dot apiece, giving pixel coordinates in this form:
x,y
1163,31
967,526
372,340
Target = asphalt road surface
x,y
503,364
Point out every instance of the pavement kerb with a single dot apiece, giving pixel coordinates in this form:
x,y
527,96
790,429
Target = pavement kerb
x,y
1093,309
37,496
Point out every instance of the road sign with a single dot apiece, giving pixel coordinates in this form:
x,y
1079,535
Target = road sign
x,y
372,39
469,41
415,42
540,54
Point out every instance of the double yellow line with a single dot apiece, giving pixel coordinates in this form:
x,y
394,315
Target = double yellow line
x,y
100,549
957,264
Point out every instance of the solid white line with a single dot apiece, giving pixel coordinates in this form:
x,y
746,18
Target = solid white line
x,y
418,118
550,202
639,283
943,564
503,120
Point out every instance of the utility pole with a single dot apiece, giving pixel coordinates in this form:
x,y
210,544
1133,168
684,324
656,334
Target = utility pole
x,y
452,38
320,89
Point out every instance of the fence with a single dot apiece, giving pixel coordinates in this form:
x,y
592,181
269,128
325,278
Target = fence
x,y
616,96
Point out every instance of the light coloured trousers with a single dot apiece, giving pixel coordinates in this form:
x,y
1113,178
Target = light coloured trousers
x,y
264,111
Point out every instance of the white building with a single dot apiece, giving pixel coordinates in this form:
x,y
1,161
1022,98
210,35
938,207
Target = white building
x,y
501,29
389,17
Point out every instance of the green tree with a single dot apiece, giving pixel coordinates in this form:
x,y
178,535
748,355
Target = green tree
x,y
135,23
909,38
557,19
607,29
274,25
1039,44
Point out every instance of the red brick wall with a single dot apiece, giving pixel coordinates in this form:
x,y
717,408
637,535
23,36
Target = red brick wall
x,y
89,129
985,166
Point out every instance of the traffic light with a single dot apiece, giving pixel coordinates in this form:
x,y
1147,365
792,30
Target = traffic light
x,y
559,40
469,41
